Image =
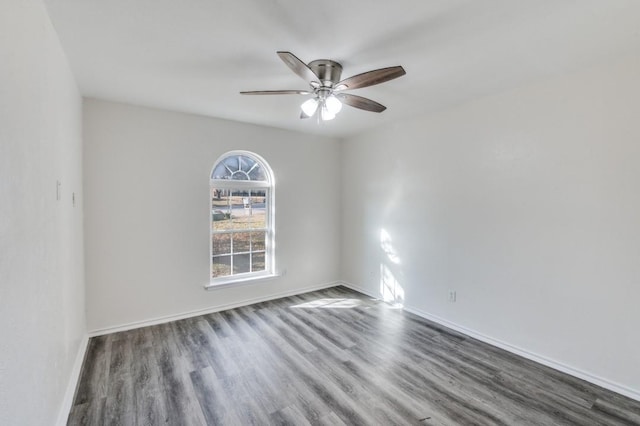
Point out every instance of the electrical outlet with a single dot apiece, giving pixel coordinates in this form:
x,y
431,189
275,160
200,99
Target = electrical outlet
x,y
452,296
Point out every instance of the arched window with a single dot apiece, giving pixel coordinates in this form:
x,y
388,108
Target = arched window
x,y
241,187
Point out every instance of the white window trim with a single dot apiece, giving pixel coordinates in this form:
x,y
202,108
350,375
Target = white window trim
x,y
241,279
270,266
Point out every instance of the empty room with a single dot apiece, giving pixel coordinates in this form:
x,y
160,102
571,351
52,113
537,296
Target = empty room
x,y
277,212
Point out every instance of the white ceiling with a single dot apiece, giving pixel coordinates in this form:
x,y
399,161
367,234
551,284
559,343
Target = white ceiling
x,y
196,55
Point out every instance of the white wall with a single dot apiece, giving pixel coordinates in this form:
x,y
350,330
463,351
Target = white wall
x,y
41,260
147,210
527,204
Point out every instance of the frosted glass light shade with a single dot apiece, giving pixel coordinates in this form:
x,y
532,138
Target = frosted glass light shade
x,y
309,107
326,114
333,104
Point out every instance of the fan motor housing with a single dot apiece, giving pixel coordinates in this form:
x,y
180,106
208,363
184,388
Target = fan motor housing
x,y
328,71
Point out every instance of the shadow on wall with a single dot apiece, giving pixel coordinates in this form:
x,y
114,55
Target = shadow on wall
x,y
391,290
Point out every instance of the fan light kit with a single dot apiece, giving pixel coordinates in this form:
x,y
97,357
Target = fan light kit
x,y
323,77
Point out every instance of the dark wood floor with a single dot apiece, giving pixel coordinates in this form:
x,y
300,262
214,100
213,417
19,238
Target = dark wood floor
x,y
332,357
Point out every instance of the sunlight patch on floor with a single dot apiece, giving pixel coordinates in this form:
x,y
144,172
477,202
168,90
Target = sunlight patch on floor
x,y
333,303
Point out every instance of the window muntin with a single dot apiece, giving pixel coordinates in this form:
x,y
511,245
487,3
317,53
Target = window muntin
x,y
241,219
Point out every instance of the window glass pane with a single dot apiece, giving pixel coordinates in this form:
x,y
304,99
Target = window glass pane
x,y
221,220
241,242
220,266
249,213
220,172
257,241
240,206
241,263
220,209
221,244
257,173
257,209
257,262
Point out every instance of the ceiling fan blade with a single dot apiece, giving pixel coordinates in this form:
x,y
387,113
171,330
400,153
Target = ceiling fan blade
x,y
303,115
360,102
298,67
370,78
277,92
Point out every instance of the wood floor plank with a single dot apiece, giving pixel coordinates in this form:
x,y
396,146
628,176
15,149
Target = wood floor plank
x,y
95,372
619,409
329,357
211,397
314,336
177,389
149,408
119,405
88,413
289,416
284,379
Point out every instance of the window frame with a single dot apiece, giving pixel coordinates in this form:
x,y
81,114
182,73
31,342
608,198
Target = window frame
x,y
245,185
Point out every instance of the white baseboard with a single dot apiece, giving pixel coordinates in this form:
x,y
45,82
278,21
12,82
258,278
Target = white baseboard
x,y
195,313
74,377
580,374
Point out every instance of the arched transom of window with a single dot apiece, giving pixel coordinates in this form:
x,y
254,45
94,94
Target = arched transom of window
x,y
240,167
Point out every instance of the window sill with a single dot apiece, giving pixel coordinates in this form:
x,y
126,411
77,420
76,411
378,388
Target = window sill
x,y
239,281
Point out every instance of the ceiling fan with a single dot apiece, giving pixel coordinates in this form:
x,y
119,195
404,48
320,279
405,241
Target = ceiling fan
x,y
323,77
